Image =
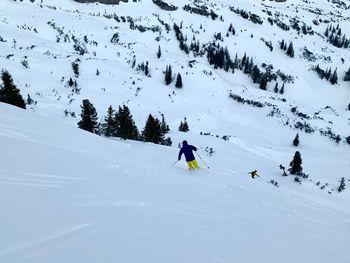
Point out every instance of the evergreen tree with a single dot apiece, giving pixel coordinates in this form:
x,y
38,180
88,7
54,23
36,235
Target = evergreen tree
x,y
88,115
153,131
227,60
296,140
125,125
30,101
327,32
236,62
243,61
109,126
282,44
146,69
168,75
296,164
255,74
178,81
70,82
184,126
159,52
349,106
282,89
341,187
276,88
164,126
334,78
75,67
9,93
290,50
328,73
263,82
168,141
347,75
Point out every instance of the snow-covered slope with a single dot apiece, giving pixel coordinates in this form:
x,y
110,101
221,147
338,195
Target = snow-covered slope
x,y
71,196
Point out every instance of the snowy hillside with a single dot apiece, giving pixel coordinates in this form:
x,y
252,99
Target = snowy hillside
x,y
71,196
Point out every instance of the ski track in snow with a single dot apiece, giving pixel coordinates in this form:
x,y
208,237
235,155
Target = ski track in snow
x,y
32,179
62,234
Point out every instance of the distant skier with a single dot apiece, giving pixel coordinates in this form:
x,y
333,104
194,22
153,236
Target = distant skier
x,y
254,173
187,150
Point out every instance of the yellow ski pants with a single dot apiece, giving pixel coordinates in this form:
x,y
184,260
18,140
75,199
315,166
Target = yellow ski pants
x,y
192,165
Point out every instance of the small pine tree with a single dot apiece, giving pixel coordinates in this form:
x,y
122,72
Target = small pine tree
x,y
184,126
146,69
334,78
349,106
164,126
282,89
168,141
97,72
159,52
263,82
290,50
178,83
347,75
296,140
153,131
9,93
88,115
70,82
328,74
341,187
109,127
75,67
30,101
296,164
276,88
168,75
282,44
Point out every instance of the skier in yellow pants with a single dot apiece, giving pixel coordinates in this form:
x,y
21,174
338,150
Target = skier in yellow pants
x,y
187,150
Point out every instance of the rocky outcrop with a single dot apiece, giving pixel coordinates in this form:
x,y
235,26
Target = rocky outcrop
x,y
165,6
106,2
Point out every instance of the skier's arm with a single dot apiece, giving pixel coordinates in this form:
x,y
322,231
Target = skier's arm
x,y
194,148
180,153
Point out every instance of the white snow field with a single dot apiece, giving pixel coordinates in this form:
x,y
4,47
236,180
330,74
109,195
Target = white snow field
x,y
69,196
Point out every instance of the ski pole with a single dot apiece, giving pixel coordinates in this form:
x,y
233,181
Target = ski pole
x,y
202,160
175,162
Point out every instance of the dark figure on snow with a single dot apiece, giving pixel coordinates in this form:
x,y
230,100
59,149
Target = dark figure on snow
x,y
187,150
254,173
